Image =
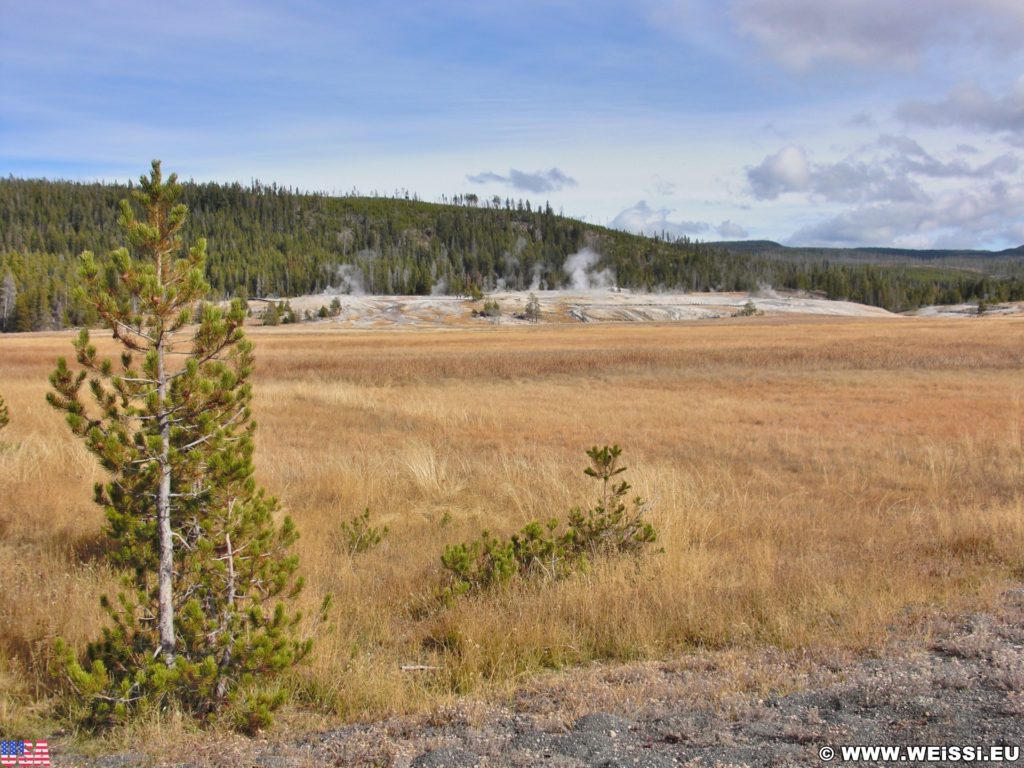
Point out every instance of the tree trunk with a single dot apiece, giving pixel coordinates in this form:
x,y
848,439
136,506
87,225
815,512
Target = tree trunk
x,y
163,515
225,659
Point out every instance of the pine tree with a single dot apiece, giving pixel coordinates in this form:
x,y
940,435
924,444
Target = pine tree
x,y
8,295
532,309
272,314
207,567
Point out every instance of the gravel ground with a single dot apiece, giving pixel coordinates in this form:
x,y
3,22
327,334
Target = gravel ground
x,y
964,687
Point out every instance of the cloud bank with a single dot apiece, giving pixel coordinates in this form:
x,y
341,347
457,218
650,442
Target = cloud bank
x,y
955,219
971,106
899,193
803,33
888,170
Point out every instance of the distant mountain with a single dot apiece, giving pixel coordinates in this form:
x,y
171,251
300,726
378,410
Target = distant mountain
x,y
269,241
1005,262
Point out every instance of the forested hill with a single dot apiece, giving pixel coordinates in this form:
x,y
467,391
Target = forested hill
x,y
1007,262
271,241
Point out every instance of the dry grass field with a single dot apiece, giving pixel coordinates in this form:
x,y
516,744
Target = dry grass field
x,y
815,483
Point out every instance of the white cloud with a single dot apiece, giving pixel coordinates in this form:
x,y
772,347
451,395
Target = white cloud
x,y
642,219
894,192
541,181
862,120
971,106
730,230
663,187
802,33
785,171
891,169
909,157
984,215
863,225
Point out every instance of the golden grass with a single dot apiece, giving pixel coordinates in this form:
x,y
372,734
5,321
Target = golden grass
x,y
816,483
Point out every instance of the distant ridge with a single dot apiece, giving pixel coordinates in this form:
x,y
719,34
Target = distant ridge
x,y
998,262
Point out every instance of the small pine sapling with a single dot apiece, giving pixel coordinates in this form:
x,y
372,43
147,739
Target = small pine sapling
x,y
532,312
610,527
359,536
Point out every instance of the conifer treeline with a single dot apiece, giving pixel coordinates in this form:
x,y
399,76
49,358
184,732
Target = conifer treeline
x,y
272,241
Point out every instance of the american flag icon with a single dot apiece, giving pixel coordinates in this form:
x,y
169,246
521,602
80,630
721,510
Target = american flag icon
x,y
19,753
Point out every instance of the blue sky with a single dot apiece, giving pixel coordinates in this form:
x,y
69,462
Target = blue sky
x,y
838,122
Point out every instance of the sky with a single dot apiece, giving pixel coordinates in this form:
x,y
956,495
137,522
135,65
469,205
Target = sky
x,y
810,122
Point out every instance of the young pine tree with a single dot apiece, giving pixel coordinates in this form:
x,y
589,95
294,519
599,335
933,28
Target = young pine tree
x,y
5,417
532,309
207,567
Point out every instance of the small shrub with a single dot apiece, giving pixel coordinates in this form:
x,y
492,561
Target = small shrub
x,y
359,536
489,561
479,564
279,313
5,416
271,315
492,308
611,527
748,310
252,710
287,313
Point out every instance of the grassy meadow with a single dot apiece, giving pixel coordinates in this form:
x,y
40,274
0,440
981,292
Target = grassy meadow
x,y
814,482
